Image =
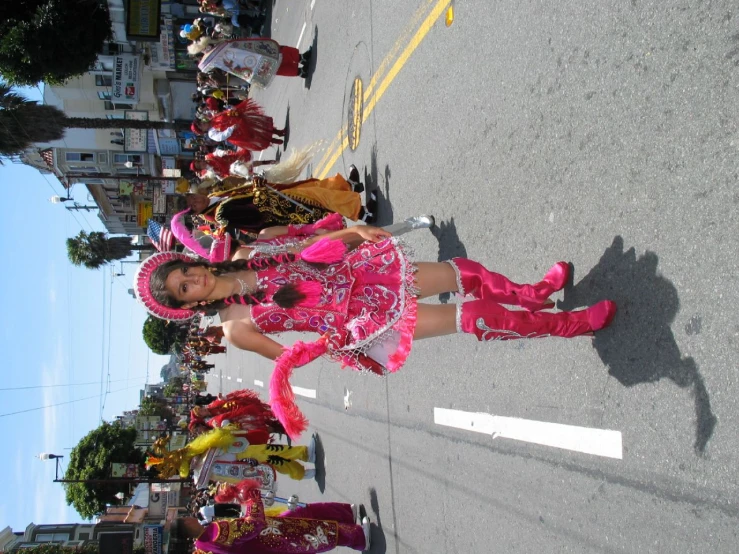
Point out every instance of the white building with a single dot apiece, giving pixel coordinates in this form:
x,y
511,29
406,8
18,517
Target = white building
x,y
143,73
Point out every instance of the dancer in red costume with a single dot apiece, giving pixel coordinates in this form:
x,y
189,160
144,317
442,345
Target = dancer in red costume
x,y
315,528
242,409
219,162
363,305
245,126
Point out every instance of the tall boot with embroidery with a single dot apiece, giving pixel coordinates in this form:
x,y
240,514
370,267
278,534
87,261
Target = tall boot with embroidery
x,y
490,321
473,278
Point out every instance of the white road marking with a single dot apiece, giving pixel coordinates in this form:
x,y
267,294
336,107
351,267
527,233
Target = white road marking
x,y
347,398
309,393
258,383
599,442
312,3
301,35
239,379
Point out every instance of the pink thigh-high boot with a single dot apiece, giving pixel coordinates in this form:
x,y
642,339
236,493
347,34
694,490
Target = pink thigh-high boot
x,y
489,321
473,278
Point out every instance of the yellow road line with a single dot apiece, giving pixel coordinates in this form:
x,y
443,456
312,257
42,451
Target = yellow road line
x,y
423,30
396,47
378,74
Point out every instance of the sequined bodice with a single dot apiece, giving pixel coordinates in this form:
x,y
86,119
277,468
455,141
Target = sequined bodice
x,y
328,316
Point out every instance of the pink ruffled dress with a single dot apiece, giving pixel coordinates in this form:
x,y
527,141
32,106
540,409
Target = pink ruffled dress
x,y
367,311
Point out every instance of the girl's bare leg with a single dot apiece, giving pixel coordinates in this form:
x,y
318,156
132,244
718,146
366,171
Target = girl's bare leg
x,y
433,278
435,320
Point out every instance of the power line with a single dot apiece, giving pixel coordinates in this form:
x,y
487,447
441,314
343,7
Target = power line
x,y
64,385
102,352
61,403
110,329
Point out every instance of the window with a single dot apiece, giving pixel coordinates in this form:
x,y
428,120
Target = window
x,y
103,95
114,116
80,157
111,49
103,80
110,106
123,158
52,537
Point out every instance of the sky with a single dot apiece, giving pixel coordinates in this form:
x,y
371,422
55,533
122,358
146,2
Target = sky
x,y
75,328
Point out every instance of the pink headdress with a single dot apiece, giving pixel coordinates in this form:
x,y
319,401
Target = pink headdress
x,y
219,250
142,287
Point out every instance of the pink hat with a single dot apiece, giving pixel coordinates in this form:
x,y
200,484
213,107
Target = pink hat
x,y
142,287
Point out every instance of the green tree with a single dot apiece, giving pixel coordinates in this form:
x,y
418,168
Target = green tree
x,y
152,406
93,250
51,40
24,122
174,387
163,336
21,123
91,459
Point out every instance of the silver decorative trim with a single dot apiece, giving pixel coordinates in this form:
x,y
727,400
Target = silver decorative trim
x,y
460,287
488,333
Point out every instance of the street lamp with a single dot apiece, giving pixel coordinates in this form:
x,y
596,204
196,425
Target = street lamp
x,y
56,199
120,496
56,457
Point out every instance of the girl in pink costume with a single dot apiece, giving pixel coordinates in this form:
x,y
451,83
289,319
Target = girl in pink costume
x,y
311,529
363,304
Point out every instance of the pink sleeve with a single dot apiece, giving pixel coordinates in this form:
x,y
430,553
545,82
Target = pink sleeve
x,y
332,222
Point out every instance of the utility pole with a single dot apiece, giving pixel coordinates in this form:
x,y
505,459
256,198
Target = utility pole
x,y
113,177
108,481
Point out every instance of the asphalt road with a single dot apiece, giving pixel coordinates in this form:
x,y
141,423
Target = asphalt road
x,y
602,133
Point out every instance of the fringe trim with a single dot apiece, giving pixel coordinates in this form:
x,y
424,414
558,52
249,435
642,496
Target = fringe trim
x,y
460,286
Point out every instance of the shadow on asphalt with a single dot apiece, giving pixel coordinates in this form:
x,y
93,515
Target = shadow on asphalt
x,y
378,544
450,246
313,59
320,465
640,347
286,138
371,183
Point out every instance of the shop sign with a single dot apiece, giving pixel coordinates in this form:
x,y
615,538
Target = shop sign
x,y
177,442
161,496
153,539
169,169
124,470
144,211
125,188
136,140
159,200
126,81
162,55
142,20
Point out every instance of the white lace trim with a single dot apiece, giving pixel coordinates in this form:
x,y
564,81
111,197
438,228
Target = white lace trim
x,y
460,287
459,318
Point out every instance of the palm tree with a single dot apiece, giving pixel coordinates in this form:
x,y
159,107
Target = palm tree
x,y
25,122
95,249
